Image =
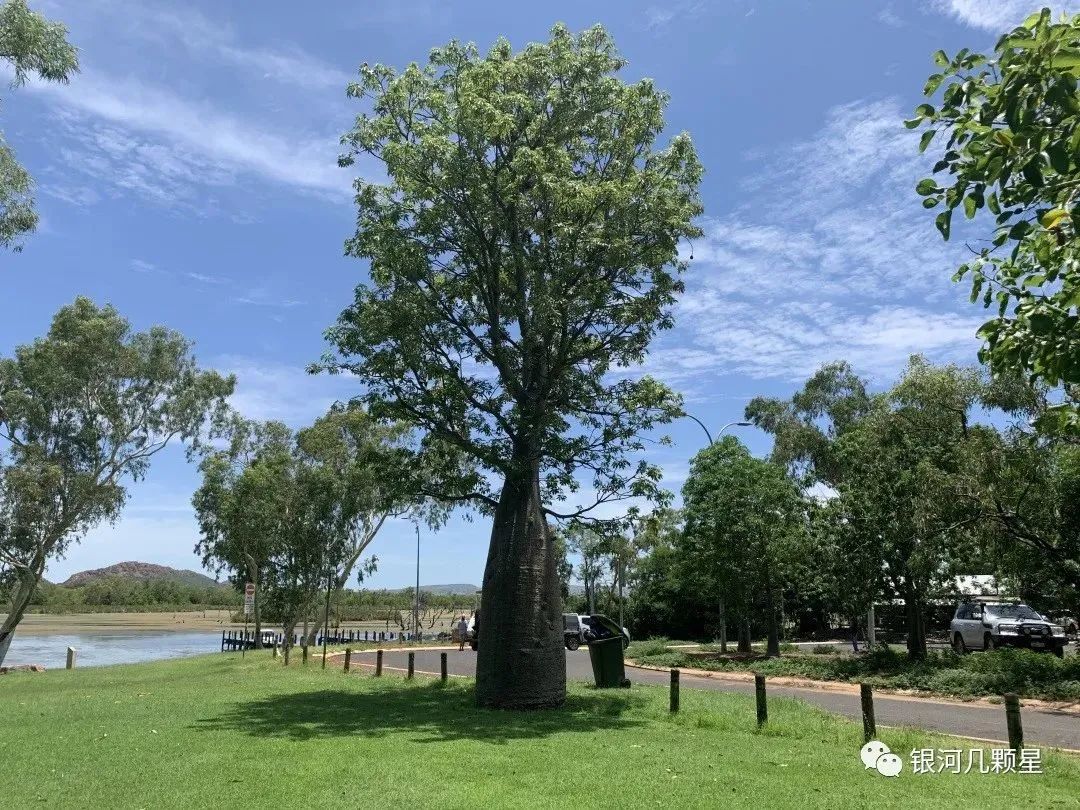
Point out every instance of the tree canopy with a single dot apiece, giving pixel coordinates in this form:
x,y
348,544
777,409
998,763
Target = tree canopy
x,y
1011,126
32,46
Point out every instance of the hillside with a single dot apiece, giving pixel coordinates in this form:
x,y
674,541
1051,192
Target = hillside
x,y
140,571
457,589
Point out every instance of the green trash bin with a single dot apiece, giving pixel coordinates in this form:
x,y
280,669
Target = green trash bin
x,y
606,655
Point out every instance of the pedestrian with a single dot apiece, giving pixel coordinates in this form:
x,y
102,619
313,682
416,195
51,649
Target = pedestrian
x,y
463,630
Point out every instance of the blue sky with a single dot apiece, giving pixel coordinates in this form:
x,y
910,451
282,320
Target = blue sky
x,y
188,176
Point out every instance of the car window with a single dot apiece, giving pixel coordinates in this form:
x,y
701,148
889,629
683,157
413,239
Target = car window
x,y
1012,612
963,612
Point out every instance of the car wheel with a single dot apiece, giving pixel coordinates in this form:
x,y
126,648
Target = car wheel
x,y
988,643
1059,652
473,645
625,643
572,643
958,645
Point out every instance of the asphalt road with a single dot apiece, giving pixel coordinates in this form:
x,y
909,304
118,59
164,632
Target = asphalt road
x,y
1041,727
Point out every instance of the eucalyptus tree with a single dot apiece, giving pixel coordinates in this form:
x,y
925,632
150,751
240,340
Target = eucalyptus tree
x,y
83,411
523,250
1011,159
32,46
744,518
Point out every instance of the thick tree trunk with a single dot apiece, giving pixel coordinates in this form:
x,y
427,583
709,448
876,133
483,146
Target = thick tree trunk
x,y
744,635
520,662
916,627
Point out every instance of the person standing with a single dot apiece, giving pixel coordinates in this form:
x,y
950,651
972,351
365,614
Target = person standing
x,y
463,630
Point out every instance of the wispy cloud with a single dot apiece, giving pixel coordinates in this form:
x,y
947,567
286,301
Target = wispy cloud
x,y
272,390
169,26
998,16
142,266
830,257
192,143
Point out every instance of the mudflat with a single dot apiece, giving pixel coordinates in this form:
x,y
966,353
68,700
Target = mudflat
x,y
181,622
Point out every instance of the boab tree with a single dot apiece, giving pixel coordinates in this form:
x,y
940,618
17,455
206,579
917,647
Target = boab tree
x,y
83,410
524,247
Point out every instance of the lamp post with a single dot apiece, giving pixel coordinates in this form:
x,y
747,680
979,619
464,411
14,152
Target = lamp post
x,y
416,606
723,614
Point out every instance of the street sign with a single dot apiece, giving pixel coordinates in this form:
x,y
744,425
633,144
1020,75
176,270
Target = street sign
x,y
249,599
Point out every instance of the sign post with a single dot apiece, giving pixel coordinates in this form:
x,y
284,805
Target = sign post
x,y
249,608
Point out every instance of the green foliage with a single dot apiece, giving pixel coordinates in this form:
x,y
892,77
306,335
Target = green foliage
x,y
30,45
1012,152
525,246
83,411
1029,674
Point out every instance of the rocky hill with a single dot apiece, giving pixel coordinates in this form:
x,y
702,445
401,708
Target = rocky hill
x,y
141,571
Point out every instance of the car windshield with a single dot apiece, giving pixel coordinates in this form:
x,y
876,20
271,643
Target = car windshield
x,y
1012,612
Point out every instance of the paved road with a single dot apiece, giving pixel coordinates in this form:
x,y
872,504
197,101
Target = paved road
x,y
1042,727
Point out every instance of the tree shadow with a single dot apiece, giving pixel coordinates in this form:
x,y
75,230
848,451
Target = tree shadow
x,y
430,713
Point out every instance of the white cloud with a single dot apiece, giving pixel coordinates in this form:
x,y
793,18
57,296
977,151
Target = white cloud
x,y
998,16
165,26
831,257
270,390
202,145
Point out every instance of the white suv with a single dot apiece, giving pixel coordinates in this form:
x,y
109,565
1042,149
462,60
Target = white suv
x,y
987,627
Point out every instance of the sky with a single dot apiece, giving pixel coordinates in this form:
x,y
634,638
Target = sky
x,y
188,176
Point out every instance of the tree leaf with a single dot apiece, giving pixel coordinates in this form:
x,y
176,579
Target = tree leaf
x,y
932,84
941,59
943,221
1053,218
1058,157
927,136
926,186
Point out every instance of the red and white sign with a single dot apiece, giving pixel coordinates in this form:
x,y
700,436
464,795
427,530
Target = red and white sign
x,y
249,598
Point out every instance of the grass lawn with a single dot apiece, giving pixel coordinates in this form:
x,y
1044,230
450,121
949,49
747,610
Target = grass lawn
x,y
1029,674
216,731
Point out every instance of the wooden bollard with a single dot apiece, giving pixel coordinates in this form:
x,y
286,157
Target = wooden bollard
x,y
304,648
275,647
762,706
412,663
442,666
1012,718
71,658
674,690
378,663
348,658
869,727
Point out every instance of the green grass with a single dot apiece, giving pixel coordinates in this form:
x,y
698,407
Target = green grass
x,y
216,731
1029,674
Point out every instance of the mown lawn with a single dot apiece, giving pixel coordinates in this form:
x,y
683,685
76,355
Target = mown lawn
x,y
1029,674
216,731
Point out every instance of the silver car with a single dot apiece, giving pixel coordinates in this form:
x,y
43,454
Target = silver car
x,y
993,625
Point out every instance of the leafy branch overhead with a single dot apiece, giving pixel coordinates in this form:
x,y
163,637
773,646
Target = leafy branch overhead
x,y
1011,124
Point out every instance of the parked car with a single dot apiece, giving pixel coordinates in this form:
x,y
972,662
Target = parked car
x,y
997,624
579,629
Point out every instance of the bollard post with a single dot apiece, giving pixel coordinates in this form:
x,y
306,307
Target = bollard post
x,y
674,690
868,725
378,663
275,647
71,658
1012,718
442,666
304,648
762,706
412,663
348,658
223,641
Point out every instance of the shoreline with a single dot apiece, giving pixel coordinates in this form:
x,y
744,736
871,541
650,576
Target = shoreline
x,y
41,624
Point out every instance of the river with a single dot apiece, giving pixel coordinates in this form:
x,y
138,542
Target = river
x,y
97,648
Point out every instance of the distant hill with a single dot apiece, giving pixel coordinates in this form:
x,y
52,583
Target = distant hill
x,y
457,589
141,571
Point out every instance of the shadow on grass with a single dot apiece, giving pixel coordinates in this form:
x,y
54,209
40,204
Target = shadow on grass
x,y
429,713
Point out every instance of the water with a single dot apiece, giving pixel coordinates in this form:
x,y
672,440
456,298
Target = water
x,y
109,647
